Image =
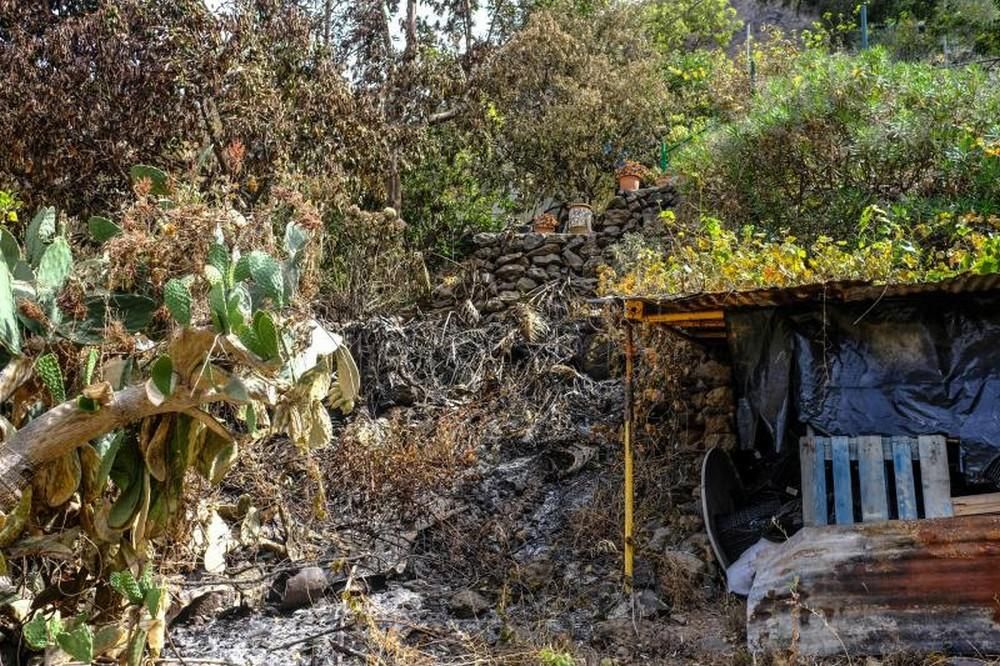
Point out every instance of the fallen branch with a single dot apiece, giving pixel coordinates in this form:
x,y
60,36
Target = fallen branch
x,y
66,427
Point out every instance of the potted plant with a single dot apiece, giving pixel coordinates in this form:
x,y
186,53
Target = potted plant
x,y
580,217
630,176
545,223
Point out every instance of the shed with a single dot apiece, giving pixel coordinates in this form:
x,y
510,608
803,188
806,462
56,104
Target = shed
x,y
881,552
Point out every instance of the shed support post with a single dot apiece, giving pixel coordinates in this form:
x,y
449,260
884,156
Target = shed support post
x,y
627,453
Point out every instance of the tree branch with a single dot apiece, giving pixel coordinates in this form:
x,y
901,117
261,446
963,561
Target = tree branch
x,y
444,116
66,427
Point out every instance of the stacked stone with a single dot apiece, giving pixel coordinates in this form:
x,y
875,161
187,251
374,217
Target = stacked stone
x,y
507,266
710,404
632,211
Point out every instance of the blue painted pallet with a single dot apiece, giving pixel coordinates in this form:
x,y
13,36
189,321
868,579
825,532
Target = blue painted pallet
x,y
883,463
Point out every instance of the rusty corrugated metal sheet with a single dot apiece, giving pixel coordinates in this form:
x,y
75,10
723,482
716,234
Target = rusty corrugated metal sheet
x,y
843,292
875,588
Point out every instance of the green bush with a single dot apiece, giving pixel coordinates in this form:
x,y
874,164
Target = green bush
x,y
841,133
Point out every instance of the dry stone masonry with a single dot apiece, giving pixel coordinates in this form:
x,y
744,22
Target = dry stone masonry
x,y
506,267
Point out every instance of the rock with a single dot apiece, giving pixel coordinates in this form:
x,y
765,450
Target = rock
x,y
616,203
573,260
643,573
510,271
613,230
684,563
483,238
720,440
201,605
532,241
493,305
713,373
525,284
510,296
537,274
718,424
660,538
537,574
548,248
651,218
554,270
589,249
486,252
648,604
616,218
575,241
612,630
719,400
545,259
698,545
304,588
467,604
509,258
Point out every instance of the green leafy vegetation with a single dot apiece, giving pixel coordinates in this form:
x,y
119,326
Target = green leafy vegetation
x,y
840,133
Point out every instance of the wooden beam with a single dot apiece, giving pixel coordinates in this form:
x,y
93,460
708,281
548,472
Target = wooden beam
x,y
678,318
974,505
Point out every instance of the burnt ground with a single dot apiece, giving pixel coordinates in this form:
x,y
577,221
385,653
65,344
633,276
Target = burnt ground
x,y
556,586
471,514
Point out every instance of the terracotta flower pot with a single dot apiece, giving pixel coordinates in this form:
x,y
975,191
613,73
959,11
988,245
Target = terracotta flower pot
x,y
580,217
628,183
545,223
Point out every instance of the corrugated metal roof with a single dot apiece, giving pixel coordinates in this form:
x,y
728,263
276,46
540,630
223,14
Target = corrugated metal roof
x,y
842,291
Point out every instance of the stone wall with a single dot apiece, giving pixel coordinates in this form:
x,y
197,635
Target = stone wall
x,y
708,403
508,266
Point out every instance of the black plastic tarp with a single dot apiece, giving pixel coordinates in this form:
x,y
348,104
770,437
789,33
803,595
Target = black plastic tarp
x,y
928,365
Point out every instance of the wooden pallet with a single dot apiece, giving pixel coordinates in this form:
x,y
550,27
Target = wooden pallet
x,y
874,478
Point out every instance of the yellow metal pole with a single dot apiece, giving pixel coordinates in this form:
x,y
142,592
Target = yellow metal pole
x,y
629,480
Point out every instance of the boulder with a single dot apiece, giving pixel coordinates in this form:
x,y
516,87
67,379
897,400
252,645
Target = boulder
x,y
304,588
467,604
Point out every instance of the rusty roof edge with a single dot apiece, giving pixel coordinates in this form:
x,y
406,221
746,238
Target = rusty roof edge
x,y
843,291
